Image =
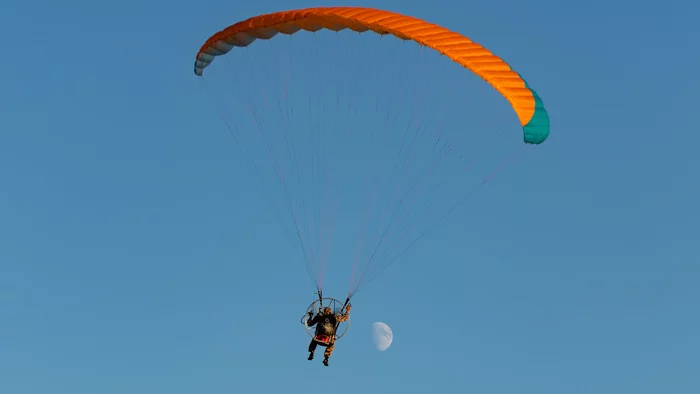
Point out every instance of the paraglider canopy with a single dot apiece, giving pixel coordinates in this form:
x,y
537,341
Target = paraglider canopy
x,y
525,101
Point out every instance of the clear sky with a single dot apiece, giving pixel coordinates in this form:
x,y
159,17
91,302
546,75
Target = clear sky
x,y
138,255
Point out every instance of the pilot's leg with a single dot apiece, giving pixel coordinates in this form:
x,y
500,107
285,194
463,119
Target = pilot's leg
x,y
312,348
328,352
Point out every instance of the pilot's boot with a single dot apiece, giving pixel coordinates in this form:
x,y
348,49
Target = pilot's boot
x,y
325,361
311,355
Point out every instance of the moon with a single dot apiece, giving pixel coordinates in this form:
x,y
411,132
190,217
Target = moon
x,y
382,336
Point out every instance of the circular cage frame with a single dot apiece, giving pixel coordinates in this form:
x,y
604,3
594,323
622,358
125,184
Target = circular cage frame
x,y
336,306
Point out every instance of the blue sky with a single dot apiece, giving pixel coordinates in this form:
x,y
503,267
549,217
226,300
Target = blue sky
x,y
137,253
